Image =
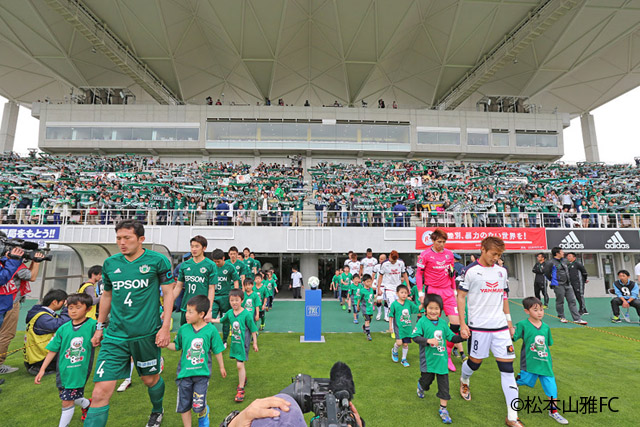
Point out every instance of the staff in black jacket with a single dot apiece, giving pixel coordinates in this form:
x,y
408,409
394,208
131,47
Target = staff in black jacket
x,y
577,278
540,282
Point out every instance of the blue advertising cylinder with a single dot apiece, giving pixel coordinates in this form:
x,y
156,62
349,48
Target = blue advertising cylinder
x,y
313,316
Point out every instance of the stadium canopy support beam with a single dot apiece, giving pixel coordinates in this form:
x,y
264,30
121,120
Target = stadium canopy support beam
x,y
309,265
589,138
9,124
505,51
87,23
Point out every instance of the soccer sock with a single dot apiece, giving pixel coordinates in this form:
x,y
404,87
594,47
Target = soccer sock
x,y
405,350
510,390
131,371
379,309
97,417
83,402
367,329
466,373
386,312
395,347
66,416
262,320
156,394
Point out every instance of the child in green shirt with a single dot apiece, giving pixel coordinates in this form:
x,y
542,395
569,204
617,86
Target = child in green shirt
x,y
243,331
400,321
345,287
72,342
535,358
261,289
432,333
252,301
368,297
197,339
355,295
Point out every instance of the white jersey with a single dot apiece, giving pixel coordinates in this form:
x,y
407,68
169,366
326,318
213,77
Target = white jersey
x,y
354,267
637,270
487,289
368,265
392,274
376,272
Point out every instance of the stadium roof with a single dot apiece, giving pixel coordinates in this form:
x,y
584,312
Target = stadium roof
x,y
571,54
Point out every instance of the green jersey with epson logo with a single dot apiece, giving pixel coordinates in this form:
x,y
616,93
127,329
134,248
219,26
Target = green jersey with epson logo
x,y
135,293
227,274
197,277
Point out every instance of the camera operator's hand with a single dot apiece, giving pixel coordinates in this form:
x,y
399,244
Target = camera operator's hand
x,y
38,257
261,408
16,253
356,414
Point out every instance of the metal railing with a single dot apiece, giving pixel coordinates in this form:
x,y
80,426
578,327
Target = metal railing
x,y
313,218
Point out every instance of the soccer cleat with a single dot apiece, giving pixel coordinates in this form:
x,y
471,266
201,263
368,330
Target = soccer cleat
x,y
344,307
420,391
84,411
161,364
369,337
585,312
349,310
225,345
516,423
581,322
455,352
155,419
451,366
203,420
394,355
6,369
545,306
125,385
464,391
239,395
393,335
559,418
405,363
627,318
355,321
386,318
616,319
378,316
444,415
563,320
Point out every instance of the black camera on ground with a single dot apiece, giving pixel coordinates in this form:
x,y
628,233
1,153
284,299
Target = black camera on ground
x,y
29,248
327,398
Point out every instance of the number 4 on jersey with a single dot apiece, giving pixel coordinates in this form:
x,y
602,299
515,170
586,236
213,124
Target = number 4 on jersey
x,y
127,300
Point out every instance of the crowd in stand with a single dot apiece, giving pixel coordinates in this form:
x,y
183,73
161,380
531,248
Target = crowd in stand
x,y
103,190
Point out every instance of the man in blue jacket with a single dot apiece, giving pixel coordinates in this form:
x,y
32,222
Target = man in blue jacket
x,y
626,295
557,272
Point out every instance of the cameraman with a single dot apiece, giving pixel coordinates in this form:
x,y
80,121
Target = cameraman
x,y
280,410
10,301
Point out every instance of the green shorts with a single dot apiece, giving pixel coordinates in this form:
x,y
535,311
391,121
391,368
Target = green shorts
x,y
115,357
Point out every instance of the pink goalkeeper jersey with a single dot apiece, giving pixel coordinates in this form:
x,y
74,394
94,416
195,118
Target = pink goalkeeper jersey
x,y
433,269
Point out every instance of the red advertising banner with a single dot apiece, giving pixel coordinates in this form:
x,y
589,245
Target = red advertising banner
x,y
469,238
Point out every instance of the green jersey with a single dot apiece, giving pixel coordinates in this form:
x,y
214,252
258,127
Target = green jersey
x,y
401,314
535,357
263,292
197,277
250,302
75,353
196,347
251,265
356,293
242,326
433,359
227,275
135,293
368,299
345,281
240,266
335,281
270,286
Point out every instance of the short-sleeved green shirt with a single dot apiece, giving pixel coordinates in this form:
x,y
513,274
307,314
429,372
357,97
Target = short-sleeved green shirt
x,y
270,286
263,291
356,293
535,356
135,293
240,266
345,281
227,275
196,347
368,299
75,352
197,277
250,263
242,326
401,314
250,302
433,359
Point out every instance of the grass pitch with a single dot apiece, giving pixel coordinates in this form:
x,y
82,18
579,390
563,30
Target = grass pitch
x,y
586,363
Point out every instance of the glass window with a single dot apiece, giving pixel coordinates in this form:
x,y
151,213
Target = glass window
x,y
398,134
165,134
427,138
510,264
241,131
373,133
525,140
187,134
347,133
101,134
82,133
590,262
500,139
478,139
270,131
547,141
449,138
141,134
294,131
320,132
123,134
58,133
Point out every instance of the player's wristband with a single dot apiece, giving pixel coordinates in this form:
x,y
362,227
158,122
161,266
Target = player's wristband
x,y
99,326
420,294
229,418
508,316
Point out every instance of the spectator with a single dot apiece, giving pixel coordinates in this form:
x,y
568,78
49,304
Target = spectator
x,y
540,281
218,102
209,100
222,213
296,282
577,278
394,105
557,272
42,323
319,207
626,295
306,103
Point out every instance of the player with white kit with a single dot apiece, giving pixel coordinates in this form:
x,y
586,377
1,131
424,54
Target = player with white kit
x,y
376,272
483,287
392,273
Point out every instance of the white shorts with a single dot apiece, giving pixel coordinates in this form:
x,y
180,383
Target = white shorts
x,y
390,296
499,342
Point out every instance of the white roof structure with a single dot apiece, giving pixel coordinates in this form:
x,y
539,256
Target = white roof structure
x,y
573,55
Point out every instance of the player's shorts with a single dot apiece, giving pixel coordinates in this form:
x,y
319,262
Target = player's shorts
x,y
344,294
114,358
355,306
367,317
192,394
499,342
450,304
270,301
548,383
390,296
70,394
